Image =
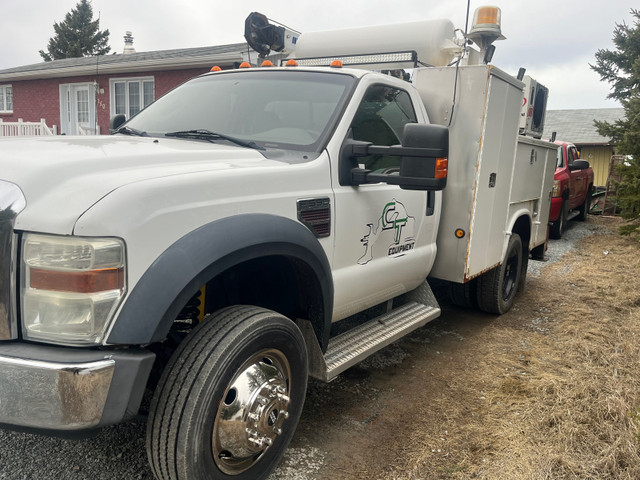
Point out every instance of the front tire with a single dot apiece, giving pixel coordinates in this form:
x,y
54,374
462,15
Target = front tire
x,y
498,287
229,400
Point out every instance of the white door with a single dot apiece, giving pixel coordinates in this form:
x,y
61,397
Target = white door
x,y
78,109
384,235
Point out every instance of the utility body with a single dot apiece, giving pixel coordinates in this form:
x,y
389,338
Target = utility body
x,y
251,228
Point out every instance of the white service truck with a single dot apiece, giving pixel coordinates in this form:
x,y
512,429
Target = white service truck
x,y
208,251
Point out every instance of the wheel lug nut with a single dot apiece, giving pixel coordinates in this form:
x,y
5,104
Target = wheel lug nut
x,y
284,414
277,430
283,398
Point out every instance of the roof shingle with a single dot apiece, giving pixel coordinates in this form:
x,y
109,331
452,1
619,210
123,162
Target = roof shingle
x,y
145,61
576,126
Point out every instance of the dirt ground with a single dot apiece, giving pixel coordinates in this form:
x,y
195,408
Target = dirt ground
x,y
551,390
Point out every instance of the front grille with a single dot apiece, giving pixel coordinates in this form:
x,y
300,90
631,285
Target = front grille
x,y
12,202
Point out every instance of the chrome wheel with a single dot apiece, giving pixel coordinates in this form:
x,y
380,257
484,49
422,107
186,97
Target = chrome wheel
x,y
229,400
253,412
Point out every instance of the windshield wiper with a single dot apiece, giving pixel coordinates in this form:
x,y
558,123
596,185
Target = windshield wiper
x,y
131,131
212,136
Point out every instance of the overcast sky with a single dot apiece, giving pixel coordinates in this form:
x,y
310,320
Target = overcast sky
x,y
554,40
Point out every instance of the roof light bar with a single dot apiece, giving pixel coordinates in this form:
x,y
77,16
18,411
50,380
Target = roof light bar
x,y
408,57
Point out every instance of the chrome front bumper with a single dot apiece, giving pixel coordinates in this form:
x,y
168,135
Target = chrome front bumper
x,y
50,388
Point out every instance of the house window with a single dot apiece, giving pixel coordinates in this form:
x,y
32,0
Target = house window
x,y
6,99
130,95
83,106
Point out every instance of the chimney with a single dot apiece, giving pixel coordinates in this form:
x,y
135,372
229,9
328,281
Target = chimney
x,y
128,44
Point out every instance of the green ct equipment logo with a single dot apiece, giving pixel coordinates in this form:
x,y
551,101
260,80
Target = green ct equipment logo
x,y
394,217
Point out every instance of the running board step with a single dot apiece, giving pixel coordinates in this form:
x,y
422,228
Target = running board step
x,y
353,346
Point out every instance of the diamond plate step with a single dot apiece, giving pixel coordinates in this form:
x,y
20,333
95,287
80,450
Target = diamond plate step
x,y
352,347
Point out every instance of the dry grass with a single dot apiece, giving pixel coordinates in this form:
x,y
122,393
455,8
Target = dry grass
x,y
552,390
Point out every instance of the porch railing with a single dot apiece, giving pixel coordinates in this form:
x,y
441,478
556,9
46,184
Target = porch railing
x,y
26,129
88,130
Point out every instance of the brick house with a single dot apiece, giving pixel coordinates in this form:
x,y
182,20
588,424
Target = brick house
x,y
576,126
80,95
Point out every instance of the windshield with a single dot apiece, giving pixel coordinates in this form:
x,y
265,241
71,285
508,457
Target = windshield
x,y
292,110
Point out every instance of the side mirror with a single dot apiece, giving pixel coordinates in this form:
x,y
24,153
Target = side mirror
x,y
579,165
116,122
423,165
428,169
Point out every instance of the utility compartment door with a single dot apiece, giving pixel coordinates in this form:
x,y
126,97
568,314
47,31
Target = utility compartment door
x,y
535,160
482,144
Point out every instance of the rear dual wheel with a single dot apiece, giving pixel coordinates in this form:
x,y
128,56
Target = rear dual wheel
x,y
229,400
498,287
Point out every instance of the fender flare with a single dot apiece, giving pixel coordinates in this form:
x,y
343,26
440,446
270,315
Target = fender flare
x,y
202,254
515,219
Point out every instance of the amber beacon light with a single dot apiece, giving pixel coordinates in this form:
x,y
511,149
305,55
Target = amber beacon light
x,y
486,29
487,16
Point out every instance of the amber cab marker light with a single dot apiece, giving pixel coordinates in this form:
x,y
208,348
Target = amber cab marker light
x,y
291,63
245,65
460,233
215,68
336,64
267,63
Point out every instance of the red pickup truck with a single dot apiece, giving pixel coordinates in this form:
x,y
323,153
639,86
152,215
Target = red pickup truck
x,y
572,189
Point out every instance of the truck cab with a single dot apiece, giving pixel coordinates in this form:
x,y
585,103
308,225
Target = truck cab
x,y
572,189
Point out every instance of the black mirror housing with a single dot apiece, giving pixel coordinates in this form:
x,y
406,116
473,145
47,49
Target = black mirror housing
x,y
579,165
434,140
116,122
423,164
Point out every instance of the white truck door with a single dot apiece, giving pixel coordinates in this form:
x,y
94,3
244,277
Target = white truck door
x,y
384,236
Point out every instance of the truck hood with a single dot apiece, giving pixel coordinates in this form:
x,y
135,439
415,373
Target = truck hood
x,y
61,177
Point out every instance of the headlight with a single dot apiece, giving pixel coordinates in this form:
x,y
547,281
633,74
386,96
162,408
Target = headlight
x,y
71,287
556,189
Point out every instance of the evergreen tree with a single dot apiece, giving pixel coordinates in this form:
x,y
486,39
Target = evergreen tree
x,y
77,36
621,68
